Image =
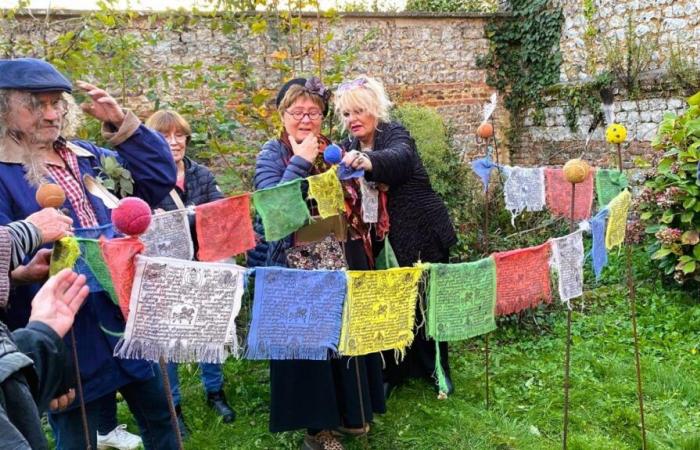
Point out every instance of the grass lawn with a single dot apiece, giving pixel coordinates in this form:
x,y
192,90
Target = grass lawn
x,y
526,384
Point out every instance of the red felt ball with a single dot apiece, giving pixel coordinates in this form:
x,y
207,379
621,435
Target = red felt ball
x,y
132,216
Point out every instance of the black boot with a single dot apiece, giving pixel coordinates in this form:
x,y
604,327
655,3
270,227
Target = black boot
x,y
184,430
217,401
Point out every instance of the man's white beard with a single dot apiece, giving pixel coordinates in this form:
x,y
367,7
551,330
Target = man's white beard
x,y
34,156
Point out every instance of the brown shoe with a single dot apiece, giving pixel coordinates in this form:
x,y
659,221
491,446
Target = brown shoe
x,y
322,441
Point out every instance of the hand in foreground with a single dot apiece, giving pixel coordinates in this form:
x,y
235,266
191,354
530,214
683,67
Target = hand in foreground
x,y
308,149
52,224
357,160
103,107
36,270
63,401
58,300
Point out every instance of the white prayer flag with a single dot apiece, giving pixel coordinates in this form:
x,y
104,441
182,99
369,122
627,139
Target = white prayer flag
x,y
182,310
169,235
567,259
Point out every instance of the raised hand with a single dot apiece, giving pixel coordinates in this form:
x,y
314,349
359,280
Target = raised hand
x,y
52,224
58,300
308,149
357,160
103,107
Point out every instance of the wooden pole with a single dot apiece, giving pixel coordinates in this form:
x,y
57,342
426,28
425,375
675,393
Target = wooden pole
x,y
171,404
633,314
567,354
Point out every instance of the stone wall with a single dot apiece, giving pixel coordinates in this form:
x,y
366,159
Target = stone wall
x,y
663,24
424,59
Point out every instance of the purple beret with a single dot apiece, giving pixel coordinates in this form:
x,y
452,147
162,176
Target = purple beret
x,y
33,75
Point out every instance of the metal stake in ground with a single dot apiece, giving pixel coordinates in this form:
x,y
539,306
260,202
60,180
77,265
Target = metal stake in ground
x,y
575,171
633,314
171,404
81,398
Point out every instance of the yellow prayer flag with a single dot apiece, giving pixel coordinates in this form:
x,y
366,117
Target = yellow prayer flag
x,y
617,220
325,188
379,311
64,255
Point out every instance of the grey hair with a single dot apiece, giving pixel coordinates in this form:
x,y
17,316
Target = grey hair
x,y
72,119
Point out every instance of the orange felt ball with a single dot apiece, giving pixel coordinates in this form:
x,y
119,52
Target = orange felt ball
x,y
485,130
576,170
50,195
132,216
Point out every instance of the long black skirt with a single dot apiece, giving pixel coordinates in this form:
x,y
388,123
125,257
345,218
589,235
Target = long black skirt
x,y
322,395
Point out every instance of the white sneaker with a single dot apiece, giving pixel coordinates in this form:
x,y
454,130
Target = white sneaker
x,y
119,439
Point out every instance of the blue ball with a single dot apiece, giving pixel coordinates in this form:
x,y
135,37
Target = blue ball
x,y
332,154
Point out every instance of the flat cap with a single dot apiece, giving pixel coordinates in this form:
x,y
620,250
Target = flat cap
x,y
30,74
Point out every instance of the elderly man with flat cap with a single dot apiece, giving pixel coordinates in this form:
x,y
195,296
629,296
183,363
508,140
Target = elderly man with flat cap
x,y
37,113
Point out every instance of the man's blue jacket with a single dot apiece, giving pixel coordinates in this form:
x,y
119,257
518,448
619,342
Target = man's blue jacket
x,y
99,323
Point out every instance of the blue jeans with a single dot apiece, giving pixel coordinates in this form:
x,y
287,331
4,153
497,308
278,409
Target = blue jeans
x,y
147,402
211,374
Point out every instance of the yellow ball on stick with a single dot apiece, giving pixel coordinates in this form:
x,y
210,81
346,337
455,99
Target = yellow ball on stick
x,y
576,171
616,133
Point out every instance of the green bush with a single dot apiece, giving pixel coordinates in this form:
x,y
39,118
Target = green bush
x,y
482,6
669,203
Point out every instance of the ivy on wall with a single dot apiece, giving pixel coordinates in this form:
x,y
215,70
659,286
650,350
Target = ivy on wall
x,y
524,56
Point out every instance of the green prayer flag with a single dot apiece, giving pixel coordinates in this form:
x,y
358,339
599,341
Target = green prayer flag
x,y
608,183
461,300
386,258
92,254
282,209
64,255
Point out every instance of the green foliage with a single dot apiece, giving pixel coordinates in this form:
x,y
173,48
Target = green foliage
x,y
683,72
670,202
115,177
579,97
524,55
481,6
627,58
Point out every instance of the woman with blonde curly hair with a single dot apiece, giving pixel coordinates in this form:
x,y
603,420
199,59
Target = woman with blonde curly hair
x,y
419,225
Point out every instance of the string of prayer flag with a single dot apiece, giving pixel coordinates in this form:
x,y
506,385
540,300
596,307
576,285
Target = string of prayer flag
x,y
567,259
609,183
325,188
99,278
524,190
281,208
617,220
379,311
119,255
599,255
169,235
461,300
296,313
64,255
183,311
522,279
224,228
559,192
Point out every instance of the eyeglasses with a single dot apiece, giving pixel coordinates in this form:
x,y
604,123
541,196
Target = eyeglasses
x,y
350,85
34,104
299,115
178,137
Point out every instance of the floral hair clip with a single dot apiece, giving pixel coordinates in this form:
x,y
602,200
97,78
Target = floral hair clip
x,y
315,86
350,85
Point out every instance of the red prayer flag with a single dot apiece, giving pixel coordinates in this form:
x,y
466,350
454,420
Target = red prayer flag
x,y
224,228
522,279
119,255
558,192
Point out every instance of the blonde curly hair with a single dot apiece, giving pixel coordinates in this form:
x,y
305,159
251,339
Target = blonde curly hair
x,y
364,93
